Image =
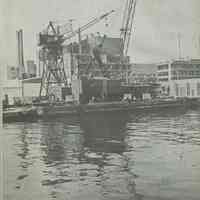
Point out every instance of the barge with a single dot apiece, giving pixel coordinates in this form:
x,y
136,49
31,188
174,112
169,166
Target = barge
x,y
73,109
63,109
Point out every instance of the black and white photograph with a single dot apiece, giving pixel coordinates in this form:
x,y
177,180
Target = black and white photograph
x,y
99,100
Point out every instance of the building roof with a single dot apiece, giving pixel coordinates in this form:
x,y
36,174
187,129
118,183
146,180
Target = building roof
x,y
181,61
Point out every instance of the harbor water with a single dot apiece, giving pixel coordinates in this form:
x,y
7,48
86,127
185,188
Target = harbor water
x,y
115,156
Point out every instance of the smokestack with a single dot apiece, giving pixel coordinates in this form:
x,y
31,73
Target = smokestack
x,y
20,53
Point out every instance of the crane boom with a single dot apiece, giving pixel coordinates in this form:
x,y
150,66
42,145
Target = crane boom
x,y
127,24
88,25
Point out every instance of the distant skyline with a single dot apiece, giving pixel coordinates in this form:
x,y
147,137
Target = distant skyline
x,y
156,26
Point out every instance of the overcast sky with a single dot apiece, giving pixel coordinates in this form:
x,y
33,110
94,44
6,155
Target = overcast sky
x,y
157,24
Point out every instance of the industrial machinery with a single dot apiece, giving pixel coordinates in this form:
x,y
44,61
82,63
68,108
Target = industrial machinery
x,y
51,53
96,51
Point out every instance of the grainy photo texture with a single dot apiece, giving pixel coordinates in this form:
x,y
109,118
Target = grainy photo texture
x,y
100,100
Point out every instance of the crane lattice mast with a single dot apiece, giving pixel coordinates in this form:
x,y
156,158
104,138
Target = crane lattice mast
x,y
127,24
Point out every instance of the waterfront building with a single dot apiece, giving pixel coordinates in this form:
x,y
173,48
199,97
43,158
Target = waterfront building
x,y
21,90
11,90
180,78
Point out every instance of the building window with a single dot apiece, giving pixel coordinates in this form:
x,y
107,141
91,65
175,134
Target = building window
x,y
198,89
163,74
161,67
188,89
191,73
163,79
193,93
176,89
182,91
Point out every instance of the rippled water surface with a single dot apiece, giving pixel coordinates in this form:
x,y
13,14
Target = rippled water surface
x,y
102,157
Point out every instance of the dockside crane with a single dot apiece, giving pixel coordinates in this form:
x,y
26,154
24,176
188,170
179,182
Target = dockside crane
x,y
127,25
51,42
88,25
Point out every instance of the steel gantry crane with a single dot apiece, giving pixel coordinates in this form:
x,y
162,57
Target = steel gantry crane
x,y
51,57
51,53
127,24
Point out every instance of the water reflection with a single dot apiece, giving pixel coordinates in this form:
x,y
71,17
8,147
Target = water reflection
x,y
89,157
105,132
23,153
112,156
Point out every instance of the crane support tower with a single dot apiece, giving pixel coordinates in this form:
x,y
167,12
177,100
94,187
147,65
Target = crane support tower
x,y
51,56
127,24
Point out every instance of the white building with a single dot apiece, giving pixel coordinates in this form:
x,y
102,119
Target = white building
x,y
185,88
180,78
12,88
21,89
